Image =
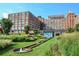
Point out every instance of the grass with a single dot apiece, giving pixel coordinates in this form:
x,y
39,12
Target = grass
x,y
39,51
12,36
5,43
8,51
67,45
22,44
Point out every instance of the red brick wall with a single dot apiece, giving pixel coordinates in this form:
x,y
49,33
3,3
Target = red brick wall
x,y
69,23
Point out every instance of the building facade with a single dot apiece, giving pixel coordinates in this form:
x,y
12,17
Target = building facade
x,y
70,20
20,20
55,22
54,25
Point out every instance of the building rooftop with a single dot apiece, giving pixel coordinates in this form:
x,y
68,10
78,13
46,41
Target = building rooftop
x,y
21,12
56,16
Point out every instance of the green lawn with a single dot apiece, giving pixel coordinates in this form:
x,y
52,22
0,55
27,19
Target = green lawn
x,y
68,44
21,44
17,45
39,51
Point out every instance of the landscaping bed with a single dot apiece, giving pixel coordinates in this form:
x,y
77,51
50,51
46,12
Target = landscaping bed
x,y
5,43
30,47
9,50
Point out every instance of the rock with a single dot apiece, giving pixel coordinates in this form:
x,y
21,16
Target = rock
x,y
28,49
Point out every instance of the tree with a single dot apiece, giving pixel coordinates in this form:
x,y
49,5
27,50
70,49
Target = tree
x,y
27,28
70,30
0,27
6,25
77,27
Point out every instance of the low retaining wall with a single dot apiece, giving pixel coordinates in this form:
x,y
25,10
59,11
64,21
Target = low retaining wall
x,y
30,47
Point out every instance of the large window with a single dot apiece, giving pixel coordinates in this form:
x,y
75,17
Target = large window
x,y
23,15
15,28
22,27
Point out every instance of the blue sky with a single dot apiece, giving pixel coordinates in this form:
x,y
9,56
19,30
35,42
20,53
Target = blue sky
x,y
43,9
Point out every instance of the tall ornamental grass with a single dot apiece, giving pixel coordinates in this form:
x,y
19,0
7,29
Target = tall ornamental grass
x,y
66,44
5,43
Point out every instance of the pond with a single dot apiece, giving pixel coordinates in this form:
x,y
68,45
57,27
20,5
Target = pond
x,y
48,34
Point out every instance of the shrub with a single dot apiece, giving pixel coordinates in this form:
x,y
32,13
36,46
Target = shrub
x,y
5,43
77,27
70,30
18,39
23,39
23,33
6,36
30,39
39,36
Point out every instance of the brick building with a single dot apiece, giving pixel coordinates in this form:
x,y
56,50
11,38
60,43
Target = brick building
x,y
55,22
70,20
54,25
21,19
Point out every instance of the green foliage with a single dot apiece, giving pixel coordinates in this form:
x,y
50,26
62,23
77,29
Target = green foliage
x,y
27,28
77,27
67,45
36,31
6,36
38,36
18,38
70,30
23,39
0,21
0,32
6,25
5,43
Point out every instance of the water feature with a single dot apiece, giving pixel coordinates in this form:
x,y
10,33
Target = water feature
x,y
21,50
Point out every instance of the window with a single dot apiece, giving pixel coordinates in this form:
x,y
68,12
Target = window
x,y
22,27
15,28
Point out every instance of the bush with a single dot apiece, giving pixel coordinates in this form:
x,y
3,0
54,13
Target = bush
x,y
30,39
23,33
77,27
6,36
5,43
23,39
70,30
18,39
39,36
